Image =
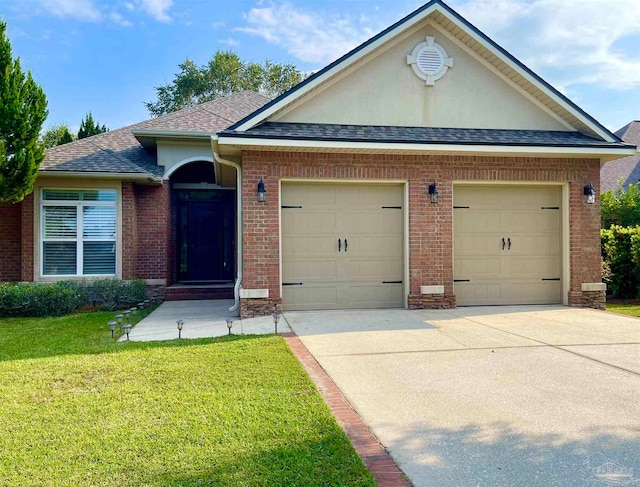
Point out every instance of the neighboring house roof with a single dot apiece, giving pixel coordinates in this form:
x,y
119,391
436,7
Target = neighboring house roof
x,y
118,151
457,26
625,171
419,135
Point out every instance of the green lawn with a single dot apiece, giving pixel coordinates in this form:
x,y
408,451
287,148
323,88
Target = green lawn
x,y
78,409
624,308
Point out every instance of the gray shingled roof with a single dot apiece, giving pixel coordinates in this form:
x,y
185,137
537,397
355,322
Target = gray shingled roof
x,y
623,171
118,151
420,135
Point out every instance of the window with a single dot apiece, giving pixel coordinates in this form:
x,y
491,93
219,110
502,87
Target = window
x,y
78,232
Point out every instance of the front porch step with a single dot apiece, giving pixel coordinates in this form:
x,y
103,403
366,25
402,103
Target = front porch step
x,y
181,292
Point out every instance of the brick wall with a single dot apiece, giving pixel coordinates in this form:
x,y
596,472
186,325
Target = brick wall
x,y
27,217
129,232
153,231
10,242
430,226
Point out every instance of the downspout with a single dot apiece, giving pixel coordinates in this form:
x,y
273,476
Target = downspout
x,y
238,168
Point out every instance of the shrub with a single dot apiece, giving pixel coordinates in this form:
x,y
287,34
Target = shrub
x,y
36,299
31,299
621,256
621,207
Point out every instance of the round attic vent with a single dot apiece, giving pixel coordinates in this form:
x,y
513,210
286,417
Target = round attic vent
x,y
429,61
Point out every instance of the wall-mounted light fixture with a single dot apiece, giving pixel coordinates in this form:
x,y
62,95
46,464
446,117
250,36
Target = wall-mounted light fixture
x,y
433,193
590,193
262,192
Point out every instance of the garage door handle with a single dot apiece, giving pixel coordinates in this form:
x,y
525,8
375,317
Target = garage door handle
x,y
346,245
339,245
509,241
503,244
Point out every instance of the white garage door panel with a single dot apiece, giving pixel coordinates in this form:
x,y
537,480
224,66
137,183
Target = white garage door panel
x,y
320,214
524,271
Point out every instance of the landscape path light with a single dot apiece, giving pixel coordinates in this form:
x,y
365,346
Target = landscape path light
x,y
180,324
112,327
276,318
229,324
119,320
127,329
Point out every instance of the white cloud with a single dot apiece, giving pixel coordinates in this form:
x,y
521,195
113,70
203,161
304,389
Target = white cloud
x,y
316,37
118,18
229,41
83,10
157,9
576,40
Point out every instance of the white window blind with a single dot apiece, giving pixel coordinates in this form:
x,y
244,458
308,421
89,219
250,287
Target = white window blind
x,y
78,232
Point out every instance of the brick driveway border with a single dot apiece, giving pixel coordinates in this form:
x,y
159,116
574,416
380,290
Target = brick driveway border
x,y
385,471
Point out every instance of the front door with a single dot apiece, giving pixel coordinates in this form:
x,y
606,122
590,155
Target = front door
x,y
206,224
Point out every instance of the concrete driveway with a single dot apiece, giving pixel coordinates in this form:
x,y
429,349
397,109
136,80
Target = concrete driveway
x,y
490,396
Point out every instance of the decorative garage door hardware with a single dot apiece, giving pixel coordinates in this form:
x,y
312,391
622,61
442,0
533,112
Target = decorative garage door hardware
x,y
461,207
462,280
292,284
392,207
551,279
288,206
550,207
346,245
508,243
391,282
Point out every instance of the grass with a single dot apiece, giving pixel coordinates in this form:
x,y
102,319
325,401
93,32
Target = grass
x,y
624,308
78,409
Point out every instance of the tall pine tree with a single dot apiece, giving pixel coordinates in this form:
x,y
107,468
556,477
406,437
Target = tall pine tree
x,y
89,127
23,109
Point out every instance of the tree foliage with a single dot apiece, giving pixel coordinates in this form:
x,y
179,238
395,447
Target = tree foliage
x,y
621,207
23,109
89,127
57,135
621,256
223,75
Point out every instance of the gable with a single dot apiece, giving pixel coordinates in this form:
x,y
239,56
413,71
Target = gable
x,y
382,89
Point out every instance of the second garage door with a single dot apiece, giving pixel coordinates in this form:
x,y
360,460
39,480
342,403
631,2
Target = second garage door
x,y
342,246
507,245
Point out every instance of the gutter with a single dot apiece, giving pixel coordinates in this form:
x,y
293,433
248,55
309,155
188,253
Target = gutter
x,y
238,168
148,177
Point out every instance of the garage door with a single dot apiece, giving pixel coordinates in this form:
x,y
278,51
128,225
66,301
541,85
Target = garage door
x,y
342,246
507,245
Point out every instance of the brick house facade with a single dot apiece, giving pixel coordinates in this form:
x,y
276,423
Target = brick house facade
x,y
180,191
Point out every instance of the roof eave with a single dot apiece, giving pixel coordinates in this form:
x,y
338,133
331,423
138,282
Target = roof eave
x,y
149,138
604,153
140,177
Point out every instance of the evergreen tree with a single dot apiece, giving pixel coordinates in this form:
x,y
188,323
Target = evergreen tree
x,y
23,109
57,135
89,127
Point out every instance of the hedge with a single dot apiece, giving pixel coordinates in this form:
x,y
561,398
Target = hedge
x,y
621,260
36,299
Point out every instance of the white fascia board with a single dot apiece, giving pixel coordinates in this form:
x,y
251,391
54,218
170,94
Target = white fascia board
x,y
499,54
170,134
101,175
245,142
354,58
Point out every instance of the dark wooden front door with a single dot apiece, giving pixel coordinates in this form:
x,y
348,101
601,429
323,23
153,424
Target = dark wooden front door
x,y
206,223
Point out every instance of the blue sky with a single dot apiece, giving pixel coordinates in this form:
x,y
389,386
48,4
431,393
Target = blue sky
x,y
107,56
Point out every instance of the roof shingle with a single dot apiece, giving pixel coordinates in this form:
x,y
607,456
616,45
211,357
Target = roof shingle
x,y
118,151
625,171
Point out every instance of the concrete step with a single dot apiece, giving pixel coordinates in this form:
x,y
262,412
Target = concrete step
x,y
183,293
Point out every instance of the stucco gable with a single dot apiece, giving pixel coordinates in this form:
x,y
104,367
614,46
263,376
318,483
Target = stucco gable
x,y
506,67
383,89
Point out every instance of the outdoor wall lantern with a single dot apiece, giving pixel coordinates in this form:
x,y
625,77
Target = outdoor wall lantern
x,y
262,192
590,193
127,329
180,324
112,327
433,193
276,318
229,324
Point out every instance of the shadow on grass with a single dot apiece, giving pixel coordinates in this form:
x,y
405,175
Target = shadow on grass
x,y
77,334
497,454
326,461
